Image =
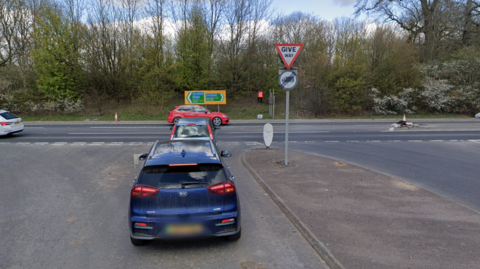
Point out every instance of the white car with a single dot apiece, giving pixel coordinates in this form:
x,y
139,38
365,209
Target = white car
x,y
9,123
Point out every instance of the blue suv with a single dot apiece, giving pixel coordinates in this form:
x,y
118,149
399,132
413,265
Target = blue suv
x,y
184,190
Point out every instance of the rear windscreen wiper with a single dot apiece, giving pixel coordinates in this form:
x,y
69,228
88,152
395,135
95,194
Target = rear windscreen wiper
x,y
192,183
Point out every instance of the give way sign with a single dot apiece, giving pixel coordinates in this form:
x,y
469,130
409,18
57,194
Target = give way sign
x,y
288,53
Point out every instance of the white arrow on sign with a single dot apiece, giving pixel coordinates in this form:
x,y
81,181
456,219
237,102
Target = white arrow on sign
x,y
288,53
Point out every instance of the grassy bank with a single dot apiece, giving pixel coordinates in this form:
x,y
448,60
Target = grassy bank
x,y
243,108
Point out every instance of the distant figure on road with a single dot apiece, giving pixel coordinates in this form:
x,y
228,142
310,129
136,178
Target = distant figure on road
x,y
260,97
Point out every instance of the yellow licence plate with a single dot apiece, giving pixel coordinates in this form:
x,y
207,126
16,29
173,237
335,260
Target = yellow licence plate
x,y
17,122
184,229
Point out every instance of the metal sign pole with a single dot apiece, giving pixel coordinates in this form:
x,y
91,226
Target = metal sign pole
x,y
286,127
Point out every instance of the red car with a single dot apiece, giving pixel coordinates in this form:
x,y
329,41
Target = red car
x,y
194,111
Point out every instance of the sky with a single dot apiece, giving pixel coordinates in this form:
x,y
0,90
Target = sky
x,y
325,9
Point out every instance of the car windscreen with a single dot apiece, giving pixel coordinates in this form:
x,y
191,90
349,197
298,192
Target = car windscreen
x,y
8,116
178,177
184,131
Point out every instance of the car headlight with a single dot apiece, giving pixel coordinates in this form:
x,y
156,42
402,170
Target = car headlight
x,y
225,116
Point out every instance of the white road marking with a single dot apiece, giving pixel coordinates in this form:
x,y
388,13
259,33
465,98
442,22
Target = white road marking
x,y
115,143
235,143
159,133
97,143
79,143
128,127
303,132
135,158
59,143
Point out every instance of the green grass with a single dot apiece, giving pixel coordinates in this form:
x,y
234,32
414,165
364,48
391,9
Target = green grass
x,y
244,108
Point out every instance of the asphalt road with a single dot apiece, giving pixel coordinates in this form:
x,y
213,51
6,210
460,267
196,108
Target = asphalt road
x,y
66,187
65,206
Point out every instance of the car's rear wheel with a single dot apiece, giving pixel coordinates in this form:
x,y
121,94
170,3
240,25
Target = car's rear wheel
x,y
217,121
234,237
137,242
175,121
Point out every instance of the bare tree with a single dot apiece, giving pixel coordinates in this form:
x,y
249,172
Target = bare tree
x,y
415,16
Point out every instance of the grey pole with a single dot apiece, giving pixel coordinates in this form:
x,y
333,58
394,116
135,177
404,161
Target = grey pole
x,y
286,127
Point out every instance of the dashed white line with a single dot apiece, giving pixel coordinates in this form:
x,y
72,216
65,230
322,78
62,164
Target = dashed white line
x,y
97,143
41,143
332,141
373,141
115,143
59,143
23,143
79,143
125,127
119,133
436,140
352,141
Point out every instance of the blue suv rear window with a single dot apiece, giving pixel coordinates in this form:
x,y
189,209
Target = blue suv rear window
x,y
8,116
178,177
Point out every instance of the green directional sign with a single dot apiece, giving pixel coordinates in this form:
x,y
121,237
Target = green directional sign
x,y
196,98
205,97
214,97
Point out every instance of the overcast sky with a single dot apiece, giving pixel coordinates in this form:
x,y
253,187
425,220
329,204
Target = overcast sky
x,y
325,9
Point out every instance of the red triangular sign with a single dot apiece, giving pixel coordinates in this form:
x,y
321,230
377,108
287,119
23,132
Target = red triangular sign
x,y
288,53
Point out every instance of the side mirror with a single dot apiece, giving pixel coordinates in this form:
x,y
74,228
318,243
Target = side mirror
x,y
233,178
225,153
206,112
143,157
171,127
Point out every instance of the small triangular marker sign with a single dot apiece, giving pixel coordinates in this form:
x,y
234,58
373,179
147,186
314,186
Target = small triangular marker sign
x,y
288,53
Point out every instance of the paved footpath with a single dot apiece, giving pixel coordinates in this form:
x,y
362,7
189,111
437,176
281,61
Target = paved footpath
x,y
356,218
